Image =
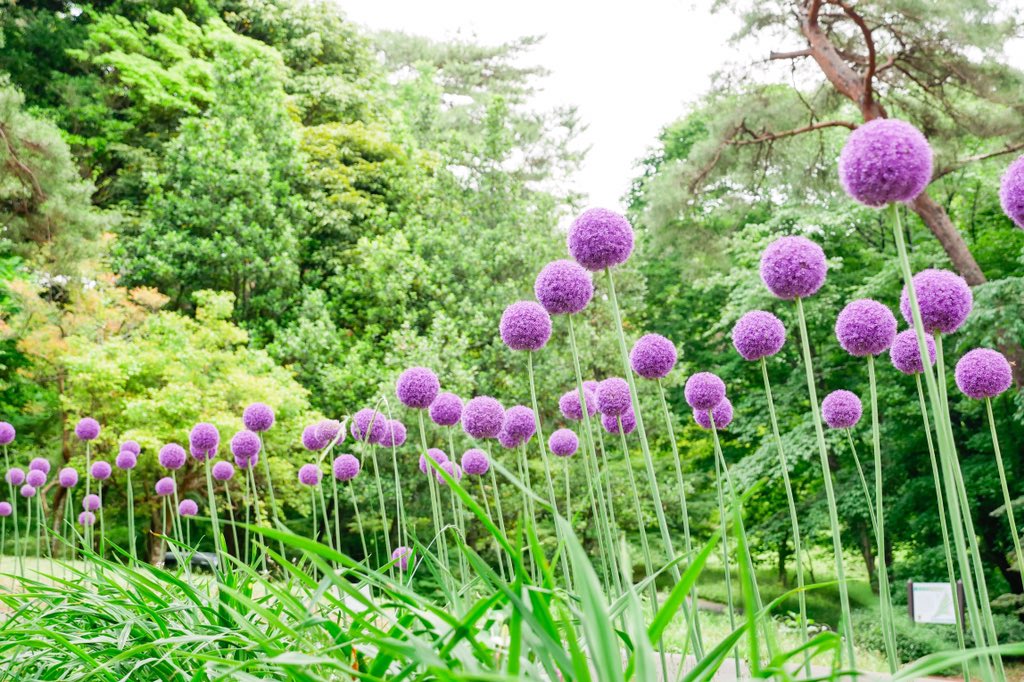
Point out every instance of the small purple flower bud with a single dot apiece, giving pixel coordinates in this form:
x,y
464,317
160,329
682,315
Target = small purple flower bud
x,y
15,476
983,373
258,417
245,446
793,267
704,390
446,410
40,464
1011,192
906,354
417,387
312,439
28,491
518,426
475,462
401,557
67,477
865,327
563,287
436,455
758,334
611,422
368,426
563,443
6,509
482,417
569,403
7,433
721,413
203,441
394,434
165,486
329,429
36,478
87,429
132,447
613,397
86,518
346,467
653,357
600,239
188,508
172,456
91,502
101,470
841,409
223,471
450,468
126,460
309,474
525,325
944,298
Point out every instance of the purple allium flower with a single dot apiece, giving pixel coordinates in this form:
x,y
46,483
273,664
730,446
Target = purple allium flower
x,y
172,456
101,470
446,410
563,287
1011,192
245,446
39,464
841,409
368,425
591,385
475,462
188,508
518,425
131,446
346,467
258,417
905,354
613,396
328,430
506,441
417,387
6,509
600,239
525,325
450,468
758,334
483,417
91,502
15,476
28,491
394,434
704,390
983,373
311,438
569,404
165,486
87,429
563,443
865,327
610,424
126,460
223,471
401,557
721,413
944,298
793,267
203,441
36,478
434,454
7,433
86,518
67,477
653,356
885,160
309,474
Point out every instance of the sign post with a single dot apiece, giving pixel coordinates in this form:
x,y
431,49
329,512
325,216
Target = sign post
x,y
935,603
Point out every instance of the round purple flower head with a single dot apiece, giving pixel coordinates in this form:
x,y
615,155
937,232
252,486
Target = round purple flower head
x,y
165,486
434,454
67,477
758,334
983,373
6,433
309,474
311,438
704,390
653,356
223,471
258,417
328,430
613,397
86,518
401,557
569,404
125,460
39,464
446,410
130,446
591,385
6,509
417,387
368,425
15,476
793,267
172,456
28,491
203,441
245,446
627,418
525,325
36,478
721,413
885,160
91,502
475,462
87,429
482,417
518,425
346,467
600,239
188,508
394,434
1011,192
450,468
865,327
905,354
841,409
563,287
944,298
563,443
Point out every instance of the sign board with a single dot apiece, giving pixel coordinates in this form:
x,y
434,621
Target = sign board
x,y
932,603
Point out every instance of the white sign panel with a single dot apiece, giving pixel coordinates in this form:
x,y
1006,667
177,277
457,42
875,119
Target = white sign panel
x,y
934,603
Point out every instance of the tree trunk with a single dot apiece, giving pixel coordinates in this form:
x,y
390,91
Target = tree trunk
x,y
783,576
867,550
937,220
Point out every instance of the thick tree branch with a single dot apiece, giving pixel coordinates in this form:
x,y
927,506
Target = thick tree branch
x,y
795,54
869,42
968,160
771,137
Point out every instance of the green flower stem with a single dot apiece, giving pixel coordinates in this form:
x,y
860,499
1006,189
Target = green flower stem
x,y
231,516
833,515
869,500
459,520
724,530
359,521
884,592
39,527
68,530
270,488
14,506
103,533
794,521
457,511
131,516
526,504
312,508
325,519
487,506
403,522
502,557
88,489
163,528
604,482
212,501
258,512
337,512
434,500
640,521
385,526
1008,501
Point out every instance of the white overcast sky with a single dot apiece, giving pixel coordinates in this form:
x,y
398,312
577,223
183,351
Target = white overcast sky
x,y
630,67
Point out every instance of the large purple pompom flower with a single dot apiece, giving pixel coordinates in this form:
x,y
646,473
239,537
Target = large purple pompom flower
x,y
126,460
884,161
39,464
563,287
15,476
91,502
312,439
446,410
86,519
245,447
906,355
450,468
1011,192
569,404
258,417
841,409
67,477
223,471
758,334
475,462
6,509
722,414
203,441
793,267
518,426
653,356
525,325
401,557
600,239
434,454
172,456
983,373
944,298
394,434
7,433
613,396
865,327
87,429
165,486
131,446
188,508
417,387
37,479
704,390
611,422
368,425
345,467
483,417
563,443
329,430
309,474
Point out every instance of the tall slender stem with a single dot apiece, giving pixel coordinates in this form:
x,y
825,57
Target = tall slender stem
x,y
501,519
724,530
131,515
1007,500
359,520
231,517
385,526
640,521
868,499
337,513
602,474
403,538
103,528
434,500
265,456
14,507
212,501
